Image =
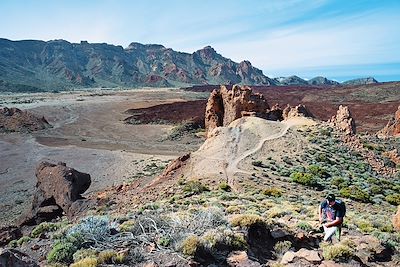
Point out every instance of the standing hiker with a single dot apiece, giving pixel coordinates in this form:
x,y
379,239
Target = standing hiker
x,y
331,213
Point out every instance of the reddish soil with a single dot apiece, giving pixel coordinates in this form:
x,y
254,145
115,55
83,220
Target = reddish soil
x,y
371,105
170,113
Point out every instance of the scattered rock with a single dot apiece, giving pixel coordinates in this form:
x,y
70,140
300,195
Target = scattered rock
x,y
225,106
57,188
310,256
330,264
8,234
344,121
297,111
16,120
240,259
396,219
392,128
15,258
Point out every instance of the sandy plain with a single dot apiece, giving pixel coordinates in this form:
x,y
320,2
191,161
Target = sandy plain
x,y
89,134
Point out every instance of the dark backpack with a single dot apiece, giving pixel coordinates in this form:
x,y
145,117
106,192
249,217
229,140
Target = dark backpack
x,y
342,206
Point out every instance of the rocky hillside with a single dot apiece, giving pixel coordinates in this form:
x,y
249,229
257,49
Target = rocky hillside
x,y
361,81
32,65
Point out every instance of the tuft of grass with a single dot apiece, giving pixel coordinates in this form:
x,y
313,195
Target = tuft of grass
x,y
86,262
190,245
273,192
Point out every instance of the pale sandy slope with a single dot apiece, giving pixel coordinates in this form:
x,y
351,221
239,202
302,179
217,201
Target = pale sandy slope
x,y
221,155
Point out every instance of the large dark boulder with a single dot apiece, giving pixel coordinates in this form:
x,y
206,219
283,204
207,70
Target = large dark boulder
x,y
58,188
15,258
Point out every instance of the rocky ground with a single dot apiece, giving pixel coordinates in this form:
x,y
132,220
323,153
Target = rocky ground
x,y
87,131
247,197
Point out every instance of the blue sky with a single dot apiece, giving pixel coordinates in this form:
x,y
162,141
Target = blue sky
x,y
338,39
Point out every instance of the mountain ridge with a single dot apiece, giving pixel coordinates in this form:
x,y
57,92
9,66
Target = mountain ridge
x,y
36,65
59,64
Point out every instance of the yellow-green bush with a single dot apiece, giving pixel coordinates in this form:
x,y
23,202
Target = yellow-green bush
x,y
246,220
110,256
190,244
62,252
273,192
342,251
86,262
84,253
393,199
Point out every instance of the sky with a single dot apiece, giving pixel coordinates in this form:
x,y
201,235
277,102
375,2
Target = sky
x,y
338,39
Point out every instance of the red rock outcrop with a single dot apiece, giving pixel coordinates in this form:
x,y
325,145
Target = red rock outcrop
x,y
297,111
344,121
393,126
225,106
396,219
16,120
58,188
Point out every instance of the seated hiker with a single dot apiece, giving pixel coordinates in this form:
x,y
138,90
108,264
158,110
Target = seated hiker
x,y
331,213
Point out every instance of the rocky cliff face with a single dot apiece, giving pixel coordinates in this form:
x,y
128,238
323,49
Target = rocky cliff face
x,y
393,126
34,65
344,121
225,106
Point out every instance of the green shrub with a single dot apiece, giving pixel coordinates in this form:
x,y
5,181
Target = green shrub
x,y
164,241
355,193
339,252
45,227
393,199
23,240
225,187
281,247
305,179
62,252
304,226
337,181
318,171
195,187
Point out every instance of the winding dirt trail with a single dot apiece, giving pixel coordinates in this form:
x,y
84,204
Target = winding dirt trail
x,y
231,168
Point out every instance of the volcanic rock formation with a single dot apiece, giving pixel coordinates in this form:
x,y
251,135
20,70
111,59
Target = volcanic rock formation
x,y
393,126
297,111
344,121
58,188
16,120
225,106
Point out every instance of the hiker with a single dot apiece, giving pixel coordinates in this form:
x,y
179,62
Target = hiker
x,y
331,213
